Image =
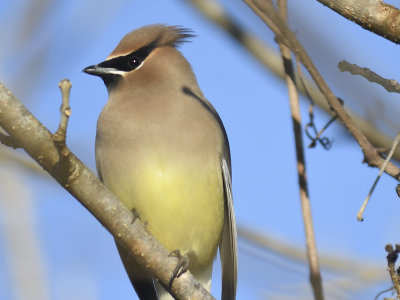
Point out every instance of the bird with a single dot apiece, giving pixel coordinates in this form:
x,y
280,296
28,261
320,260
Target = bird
x,y
163,151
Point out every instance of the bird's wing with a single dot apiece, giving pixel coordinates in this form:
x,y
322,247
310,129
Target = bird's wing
x,y
228,246
140,278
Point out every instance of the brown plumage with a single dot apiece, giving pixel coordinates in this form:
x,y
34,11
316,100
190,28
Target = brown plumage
x,y
159,35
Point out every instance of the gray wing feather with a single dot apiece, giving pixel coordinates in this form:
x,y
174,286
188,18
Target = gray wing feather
x,y
228,246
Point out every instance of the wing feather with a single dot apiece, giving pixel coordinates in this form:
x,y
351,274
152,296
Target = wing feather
x,y
228,246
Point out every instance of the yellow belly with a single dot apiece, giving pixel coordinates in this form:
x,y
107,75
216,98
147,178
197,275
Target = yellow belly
x,y
181,202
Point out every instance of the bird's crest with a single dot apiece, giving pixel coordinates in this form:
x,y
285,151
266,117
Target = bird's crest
x,y
154,35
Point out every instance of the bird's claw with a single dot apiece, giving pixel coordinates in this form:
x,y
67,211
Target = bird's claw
x,y
181,267
135,215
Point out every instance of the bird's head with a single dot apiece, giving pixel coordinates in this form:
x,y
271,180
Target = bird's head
x,y
148,48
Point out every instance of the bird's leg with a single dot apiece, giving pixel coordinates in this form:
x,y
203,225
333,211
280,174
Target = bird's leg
x,y
183,263
135,215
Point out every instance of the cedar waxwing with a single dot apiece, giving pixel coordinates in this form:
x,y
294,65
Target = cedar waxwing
x,y
162,149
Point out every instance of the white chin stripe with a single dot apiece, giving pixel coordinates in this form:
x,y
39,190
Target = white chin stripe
x,y
115,71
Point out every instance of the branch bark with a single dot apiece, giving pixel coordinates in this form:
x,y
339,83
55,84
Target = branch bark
x,y
29,134
373,15
391,85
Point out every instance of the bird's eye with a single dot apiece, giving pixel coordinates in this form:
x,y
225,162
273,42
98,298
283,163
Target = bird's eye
x,y
134,62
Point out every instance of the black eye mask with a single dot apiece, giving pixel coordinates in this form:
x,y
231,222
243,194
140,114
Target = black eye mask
x,y
128,62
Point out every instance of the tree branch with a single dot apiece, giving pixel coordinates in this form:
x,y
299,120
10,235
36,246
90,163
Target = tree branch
x,y
267,12
391,85
373,15
81,183
311,245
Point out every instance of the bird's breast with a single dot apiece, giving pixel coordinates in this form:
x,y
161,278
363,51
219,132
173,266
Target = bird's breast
x,y
168,171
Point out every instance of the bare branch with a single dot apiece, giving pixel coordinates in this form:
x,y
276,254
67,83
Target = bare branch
x,y
80,182
325,142
266,11
391,85
312,255
373,15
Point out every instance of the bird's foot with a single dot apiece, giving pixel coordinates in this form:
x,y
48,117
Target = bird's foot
x,y
183,264
135,215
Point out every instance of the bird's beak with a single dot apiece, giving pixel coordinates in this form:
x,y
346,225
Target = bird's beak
x,y
96,70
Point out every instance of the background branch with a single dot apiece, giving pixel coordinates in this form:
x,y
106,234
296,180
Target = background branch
x,y
18,227
8,155
311,245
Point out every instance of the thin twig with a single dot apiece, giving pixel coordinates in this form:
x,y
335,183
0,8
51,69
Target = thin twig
x,y
391,85
383,292
364,205
312,255
391,260
324,141
61,133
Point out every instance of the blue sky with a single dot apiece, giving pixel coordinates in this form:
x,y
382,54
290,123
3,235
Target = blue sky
x,y
80,259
